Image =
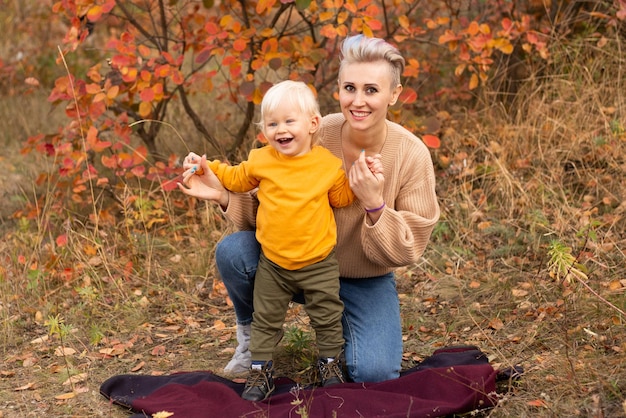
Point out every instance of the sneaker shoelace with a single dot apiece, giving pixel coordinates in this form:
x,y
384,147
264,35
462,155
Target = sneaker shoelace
x,y
330,370
257,378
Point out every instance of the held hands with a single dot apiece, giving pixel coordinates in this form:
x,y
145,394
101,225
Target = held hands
x,y
367,180
200,182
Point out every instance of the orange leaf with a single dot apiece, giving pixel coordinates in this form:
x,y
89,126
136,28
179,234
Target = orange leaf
x,y
113,92
484,225
496,323
537,402
28,386
65,396
177,77
448,36
264,5
93,88
138,366
473,82
145,109
95,13
404,22
240,44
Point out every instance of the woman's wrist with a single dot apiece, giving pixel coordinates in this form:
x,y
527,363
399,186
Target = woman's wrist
x,y
376,209
224,199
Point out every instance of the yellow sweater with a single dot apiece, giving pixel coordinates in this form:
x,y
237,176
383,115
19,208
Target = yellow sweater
x,y
403,230
295,223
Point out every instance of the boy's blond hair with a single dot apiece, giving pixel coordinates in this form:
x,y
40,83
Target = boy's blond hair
x,y
297,94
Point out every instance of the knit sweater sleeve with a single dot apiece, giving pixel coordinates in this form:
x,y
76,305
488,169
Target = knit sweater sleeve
x,y
401,234
241,210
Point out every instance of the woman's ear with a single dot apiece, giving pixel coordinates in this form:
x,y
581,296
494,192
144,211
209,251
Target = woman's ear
x,y
395,94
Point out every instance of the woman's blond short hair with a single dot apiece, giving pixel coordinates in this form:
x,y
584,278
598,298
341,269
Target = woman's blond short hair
x,y
362,49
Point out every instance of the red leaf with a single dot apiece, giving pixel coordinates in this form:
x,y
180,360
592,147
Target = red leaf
x,y
431,141
62,240
170,185
147,95
203,55
408,96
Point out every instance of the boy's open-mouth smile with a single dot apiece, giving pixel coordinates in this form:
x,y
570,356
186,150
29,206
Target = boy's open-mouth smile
x,y
284,141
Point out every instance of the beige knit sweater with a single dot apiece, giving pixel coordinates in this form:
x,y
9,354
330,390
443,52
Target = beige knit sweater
x,y
411,212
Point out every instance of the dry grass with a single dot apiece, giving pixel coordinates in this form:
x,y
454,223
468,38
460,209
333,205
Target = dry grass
x,y
512,181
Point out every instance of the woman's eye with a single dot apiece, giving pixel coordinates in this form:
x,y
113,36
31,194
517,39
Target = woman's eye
x,y
349,88
371,90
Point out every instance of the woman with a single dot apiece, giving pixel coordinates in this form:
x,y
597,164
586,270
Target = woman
x,y
388,226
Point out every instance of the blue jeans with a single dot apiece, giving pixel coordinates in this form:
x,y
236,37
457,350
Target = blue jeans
x,y
371,318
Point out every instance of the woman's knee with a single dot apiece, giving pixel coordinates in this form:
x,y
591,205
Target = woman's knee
x,y
377,370
237,253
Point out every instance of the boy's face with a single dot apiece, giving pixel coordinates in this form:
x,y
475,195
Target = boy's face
x,y
289,130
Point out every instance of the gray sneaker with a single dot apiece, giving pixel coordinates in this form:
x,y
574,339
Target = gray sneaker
x,y
260,383
240,363
242,359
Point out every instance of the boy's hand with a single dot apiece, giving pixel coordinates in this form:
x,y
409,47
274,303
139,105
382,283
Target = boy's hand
x,y
374,164
200,182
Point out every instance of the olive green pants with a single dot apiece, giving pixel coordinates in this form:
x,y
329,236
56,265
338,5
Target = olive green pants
x,y
274,288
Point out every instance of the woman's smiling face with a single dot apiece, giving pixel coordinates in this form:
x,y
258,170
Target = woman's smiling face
x,y
365,93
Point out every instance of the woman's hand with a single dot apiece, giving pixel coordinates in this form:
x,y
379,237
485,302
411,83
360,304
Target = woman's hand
x,y
205,185
367,180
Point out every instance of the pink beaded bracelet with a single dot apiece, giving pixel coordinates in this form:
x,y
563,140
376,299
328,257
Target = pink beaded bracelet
x,y
375,209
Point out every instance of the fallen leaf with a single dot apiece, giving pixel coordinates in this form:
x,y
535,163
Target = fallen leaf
x,y
77,378
40,340
29,362
484,225
519,293
537,402
162,414
159,350
138,366
64,351
65,396
28,386
496,324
